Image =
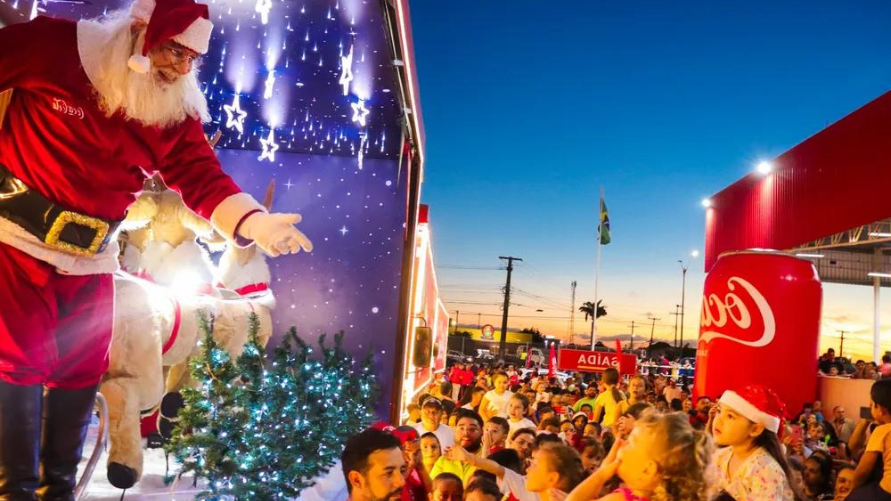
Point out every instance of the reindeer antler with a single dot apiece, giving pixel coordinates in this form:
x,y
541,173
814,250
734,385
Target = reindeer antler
x,y
270,193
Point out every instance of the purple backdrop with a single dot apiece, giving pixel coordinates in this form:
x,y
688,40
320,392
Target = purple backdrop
x,y
315,90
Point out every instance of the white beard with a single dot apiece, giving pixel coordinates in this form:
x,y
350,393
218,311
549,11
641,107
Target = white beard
x,y
140,97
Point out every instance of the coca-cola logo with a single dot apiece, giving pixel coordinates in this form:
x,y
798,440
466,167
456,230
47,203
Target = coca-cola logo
x,y
718,311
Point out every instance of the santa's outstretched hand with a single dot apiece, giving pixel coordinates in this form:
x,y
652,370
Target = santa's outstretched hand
x,y
275,233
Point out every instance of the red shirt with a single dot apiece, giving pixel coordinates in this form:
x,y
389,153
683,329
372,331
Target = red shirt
x,y
60,144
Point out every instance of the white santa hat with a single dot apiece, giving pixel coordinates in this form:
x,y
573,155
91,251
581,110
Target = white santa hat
x,y
757,404
183,21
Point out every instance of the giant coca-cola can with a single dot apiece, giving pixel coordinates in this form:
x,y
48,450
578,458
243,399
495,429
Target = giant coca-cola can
x,y
760,323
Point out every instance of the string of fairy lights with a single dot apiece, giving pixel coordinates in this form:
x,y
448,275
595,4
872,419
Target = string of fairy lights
x,y
291,76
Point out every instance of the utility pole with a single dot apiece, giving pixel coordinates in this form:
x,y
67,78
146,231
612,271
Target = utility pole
x,y
510,268
572,316
652,330
632,337
677,313
479,321
456,320
841,348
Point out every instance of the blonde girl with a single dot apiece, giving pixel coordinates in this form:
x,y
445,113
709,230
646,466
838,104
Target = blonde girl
x,y
664,459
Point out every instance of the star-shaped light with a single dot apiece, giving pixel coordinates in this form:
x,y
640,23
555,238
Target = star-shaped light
x,y
359,112
346,72
343,231
263,7
289,184
235,115
270,82
269,147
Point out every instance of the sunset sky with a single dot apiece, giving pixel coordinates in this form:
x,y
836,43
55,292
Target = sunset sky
x,y
530,109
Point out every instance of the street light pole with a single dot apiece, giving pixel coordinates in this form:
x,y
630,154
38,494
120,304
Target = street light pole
x,y
683,306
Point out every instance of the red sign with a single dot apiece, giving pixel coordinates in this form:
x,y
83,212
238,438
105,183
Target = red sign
x,y
760,324
596,361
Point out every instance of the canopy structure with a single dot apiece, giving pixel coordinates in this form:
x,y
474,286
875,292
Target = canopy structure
x,y
826,199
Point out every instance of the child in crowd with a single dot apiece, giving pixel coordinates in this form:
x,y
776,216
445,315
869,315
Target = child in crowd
x,y
523,441
482,489
430,450
818,478
495,401
608,401
592,454
877,452
580,420
473,398
664,459
752,466
550,425
637,393
495,433
545,412
554,470
625,423
517,410
447,487
844,482
542,397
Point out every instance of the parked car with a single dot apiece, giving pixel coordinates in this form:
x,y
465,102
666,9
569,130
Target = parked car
x,y
455,356
543,373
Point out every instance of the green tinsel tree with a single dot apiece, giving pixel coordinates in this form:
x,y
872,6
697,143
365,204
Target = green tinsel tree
x,y
262,429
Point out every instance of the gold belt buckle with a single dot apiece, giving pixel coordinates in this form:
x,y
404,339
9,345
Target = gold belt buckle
x,y
67,217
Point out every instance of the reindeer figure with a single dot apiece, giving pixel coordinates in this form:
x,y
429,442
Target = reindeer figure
x,y
156,330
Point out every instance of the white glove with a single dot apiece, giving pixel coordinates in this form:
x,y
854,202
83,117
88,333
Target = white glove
x,y
275,233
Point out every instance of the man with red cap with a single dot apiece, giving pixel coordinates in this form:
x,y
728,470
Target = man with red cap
x,y
96,107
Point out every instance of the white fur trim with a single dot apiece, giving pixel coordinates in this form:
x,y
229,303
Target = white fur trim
x,y
139,64
196,36
164,263
142,10
67,264
90,35
230,212
752,413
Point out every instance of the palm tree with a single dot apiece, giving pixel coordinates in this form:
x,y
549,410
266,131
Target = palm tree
x,y
588,309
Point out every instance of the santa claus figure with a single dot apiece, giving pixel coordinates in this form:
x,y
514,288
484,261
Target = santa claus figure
x,y
97,106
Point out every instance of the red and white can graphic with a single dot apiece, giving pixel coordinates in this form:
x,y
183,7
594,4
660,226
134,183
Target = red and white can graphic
x,y
760,324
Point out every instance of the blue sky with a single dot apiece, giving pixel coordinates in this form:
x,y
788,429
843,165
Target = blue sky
x,y
530,106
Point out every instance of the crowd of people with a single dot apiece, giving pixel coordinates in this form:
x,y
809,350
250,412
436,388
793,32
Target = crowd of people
x,y
830,365
484,434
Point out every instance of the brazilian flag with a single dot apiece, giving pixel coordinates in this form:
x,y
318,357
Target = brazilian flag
x,y
604,224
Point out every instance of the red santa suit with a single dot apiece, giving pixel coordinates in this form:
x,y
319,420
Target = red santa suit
x,y
57,141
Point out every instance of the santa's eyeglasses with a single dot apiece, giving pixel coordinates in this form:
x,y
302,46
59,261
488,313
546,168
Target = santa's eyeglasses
x,y
179,55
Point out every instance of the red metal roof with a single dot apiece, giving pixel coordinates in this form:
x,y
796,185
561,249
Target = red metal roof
x,y
836,180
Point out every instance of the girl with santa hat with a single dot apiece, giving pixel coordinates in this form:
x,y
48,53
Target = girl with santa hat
x,y
752,466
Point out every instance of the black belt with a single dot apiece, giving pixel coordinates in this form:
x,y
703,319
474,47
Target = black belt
x,y
65,230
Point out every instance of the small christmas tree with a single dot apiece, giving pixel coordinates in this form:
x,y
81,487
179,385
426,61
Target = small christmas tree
x,y
263,430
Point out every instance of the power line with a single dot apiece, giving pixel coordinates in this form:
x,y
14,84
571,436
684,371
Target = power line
x,y
465,267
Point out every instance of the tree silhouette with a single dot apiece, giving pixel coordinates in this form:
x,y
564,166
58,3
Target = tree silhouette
x,y
588,309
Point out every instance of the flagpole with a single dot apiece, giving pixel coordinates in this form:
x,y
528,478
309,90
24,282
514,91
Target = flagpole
x,y
597,269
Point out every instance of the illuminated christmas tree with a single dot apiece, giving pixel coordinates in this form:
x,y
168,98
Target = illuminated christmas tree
x,y
263,428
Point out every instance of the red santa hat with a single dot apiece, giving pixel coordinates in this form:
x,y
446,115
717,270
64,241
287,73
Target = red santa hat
x,y
183,21
758,404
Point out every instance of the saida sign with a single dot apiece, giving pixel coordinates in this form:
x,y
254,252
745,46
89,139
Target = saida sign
x,y
596,361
